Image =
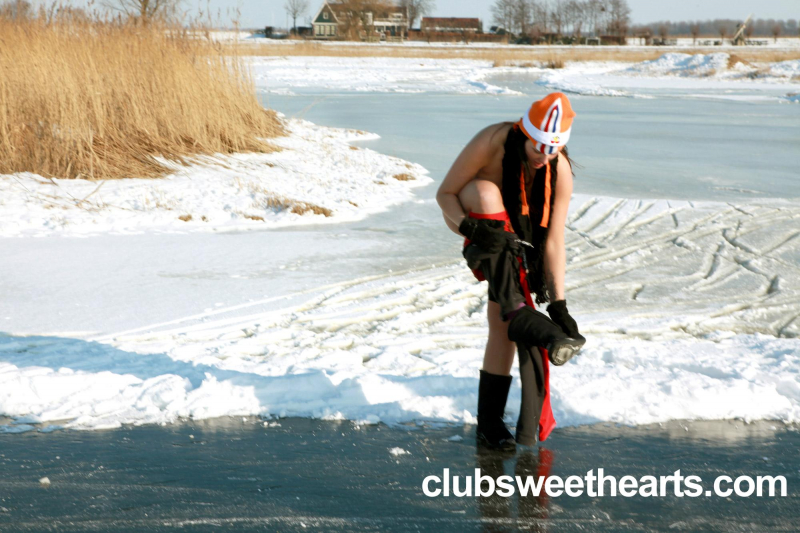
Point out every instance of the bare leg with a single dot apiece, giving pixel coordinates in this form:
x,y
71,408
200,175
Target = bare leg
x,y
481,196
499,355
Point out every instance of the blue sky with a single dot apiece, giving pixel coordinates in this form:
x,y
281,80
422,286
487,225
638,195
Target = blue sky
x,y
257,13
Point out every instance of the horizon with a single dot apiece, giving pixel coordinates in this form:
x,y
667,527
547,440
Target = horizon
x,y
643,12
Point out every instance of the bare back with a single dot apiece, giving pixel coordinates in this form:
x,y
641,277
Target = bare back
x,y
481,159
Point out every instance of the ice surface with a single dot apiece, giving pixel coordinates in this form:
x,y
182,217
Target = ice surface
x,y
692,309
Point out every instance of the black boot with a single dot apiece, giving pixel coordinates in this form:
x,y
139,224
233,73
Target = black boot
x,y
535,329
492,395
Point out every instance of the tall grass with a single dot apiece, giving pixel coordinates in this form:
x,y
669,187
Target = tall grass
x,y
102,99
504,55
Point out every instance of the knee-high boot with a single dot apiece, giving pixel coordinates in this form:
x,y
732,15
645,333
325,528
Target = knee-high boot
x,y
492,395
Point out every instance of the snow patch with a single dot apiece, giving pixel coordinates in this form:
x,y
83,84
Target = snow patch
x,y
788,69
374,74
318,176
682,65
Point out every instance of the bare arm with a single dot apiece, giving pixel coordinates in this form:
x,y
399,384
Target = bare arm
x,y
475,156
555,255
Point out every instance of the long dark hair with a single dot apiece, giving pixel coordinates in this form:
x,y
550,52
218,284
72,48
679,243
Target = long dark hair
x,y
537,280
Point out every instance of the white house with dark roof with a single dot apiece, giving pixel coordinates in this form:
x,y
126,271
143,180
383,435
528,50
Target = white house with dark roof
x,y
332,22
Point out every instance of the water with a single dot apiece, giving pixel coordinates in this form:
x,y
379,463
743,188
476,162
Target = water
x,y
667,147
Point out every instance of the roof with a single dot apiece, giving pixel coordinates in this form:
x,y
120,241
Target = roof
x,y
340,9
451,22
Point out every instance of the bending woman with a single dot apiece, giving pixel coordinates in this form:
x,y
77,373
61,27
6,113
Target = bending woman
x,y
508,193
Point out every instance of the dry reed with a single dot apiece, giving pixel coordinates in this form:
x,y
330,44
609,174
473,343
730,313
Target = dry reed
x,y
102,99
504,55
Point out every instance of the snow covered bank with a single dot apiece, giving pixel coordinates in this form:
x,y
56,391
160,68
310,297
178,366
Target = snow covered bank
x,y
691,311
374,74
711,74
318,177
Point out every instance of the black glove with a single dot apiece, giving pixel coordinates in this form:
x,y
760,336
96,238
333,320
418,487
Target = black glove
x,y
485,236
559,314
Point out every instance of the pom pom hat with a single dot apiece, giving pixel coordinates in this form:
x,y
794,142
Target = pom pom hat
x,y
548,122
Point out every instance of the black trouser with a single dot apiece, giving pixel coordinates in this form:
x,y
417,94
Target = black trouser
x,y
501,270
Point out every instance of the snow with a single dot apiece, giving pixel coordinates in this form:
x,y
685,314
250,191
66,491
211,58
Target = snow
x,y
682,64
372,74
677,75
706,74
317,166
688,308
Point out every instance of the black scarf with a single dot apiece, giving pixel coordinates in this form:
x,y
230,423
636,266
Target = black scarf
x,y
528,227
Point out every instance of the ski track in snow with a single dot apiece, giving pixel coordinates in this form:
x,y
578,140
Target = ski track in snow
x,y
691,311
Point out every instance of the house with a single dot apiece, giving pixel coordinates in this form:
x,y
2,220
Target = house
x,y
337,20
451,25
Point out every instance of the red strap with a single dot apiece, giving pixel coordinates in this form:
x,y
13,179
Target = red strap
x,y
547,193
523,197
546,420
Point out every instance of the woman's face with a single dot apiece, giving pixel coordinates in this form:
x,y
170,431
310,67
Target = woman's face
x,y
538,159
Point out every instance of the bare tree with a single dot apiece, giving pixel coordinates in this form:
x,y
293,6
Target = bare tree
x,y
542,16
619,18
595,11
558,17
748,31
577,13
723,31
145,10
695,31
503,14
295,9
416,9
16,10
663,32
523,15
776,31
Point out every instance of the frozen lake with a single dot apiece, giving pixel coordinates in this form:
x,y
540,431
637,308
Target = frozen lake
x,y
672,147
683,271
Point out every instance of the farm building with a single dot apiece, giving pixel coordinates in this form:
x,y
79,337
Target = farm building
x,y
336,20
451,25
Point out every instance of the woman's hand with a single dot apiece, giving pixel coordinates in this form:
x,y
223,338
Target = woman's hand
x,y
486,237
560,315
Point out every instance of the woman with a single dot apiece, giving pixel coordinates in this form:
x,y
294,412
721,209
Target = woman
x,y
508,194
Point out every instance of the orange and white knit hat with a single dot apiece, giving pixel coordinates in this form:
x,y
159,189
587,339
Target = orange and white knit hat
x,y
548,122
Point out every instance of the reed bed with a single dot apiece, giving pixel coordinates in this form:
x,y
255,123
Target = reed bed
x,y
100,99
504,55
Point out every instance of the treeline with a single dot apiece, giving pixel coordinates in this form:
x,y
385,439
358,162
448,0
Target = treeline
x,y
565,17
577,18
755,28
